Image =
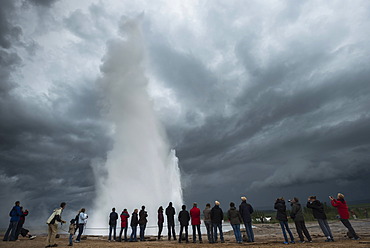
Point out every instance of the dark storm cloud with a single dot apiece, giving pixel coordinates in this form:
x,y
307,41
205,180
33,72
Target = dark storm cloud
x,y
300,119
45,3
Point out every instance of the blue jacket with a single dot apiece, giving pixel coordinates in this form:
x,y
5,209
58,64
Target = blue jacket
x,y
15,214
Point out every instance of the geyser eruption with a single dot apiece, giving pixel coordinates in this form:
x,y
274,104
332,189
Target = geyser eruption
x,y
140,169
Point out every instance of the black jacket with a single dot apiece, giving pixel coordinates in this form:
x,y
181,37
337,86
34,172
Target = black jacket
x,y
281,210
134,220
170,212
246,210
296,213
142,217
113,218
184,218
217,215
317,209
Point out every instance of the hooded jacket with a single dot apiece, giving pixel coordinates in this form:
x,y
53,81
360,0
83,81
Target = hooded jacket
x,y
234,216
342,208
170,212
296,213
317,209
124,218
134,220
281,210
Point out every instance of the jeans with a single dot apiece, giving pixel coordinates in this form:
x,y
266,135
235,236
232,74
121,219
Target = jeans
x,y
219,226
10,233
284,225
209,231
70,238
347,224
186,233
142,232
249,231
325,228
237,233
125,234
171,228
196,228
80,230
133,233
301,228
160,229
112,228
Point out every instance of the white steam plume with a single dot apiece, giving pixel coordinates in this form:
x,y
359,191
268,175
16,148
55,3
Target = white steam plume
x,y
140,169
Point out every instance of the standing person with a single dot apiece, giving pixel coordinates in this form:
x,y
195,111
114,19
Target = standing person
x,y
235,219
142,222
160,221
21,221
195,222
170,212
184,218
282,217
216,217
113,217
319,214
53,221
133,224
124,225
71,231
246,210
15,215
82,219
297,215
342,208
208,222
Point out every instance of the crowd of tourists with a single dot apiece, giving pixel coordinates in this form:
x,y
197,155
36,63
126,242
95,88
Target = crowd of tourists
x,y
212,218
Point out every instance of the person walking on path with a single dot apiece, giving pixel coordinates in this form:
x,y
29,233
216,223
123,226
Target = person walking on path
x,y
343,212
15,214
208,222
319,214
53,221
160,221
82,219
246,210
297,215
142,222
184,218
113,217
124,225
170,212
195,222
71,231
133,224
282,217
235,219
216,217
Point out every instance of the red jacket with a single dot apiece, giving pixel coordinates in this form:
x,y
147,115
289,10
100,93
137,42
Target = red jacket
x,y
342,208
124,217
195,216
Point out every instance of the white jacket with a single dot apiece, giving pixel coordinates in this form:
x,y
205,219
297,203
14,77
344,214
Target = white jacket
x,y
82,218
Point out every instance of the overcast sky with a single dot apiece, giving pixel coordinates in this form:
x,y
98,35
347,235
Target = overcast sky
x,y
259,98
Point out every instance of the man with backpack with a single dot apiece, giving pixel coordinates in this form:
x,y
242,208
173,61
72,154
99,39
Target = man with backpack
x,y
53,221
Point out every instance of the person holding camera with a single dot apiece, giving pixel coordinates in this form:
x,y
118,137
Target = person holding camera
x,y
319,214
342,208
282,217
82,219
297,215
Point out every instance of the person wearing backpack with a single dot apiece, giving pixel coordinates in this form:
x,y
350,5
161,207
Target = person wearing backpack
x,y
53,221
15,215
82,219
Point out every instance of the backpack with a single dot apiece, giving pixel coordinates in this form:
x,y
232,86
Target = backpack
x,y
77,218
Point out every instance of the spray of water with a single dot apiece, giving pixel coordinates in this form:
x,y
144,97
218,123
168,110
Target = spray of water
x,y
140,169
